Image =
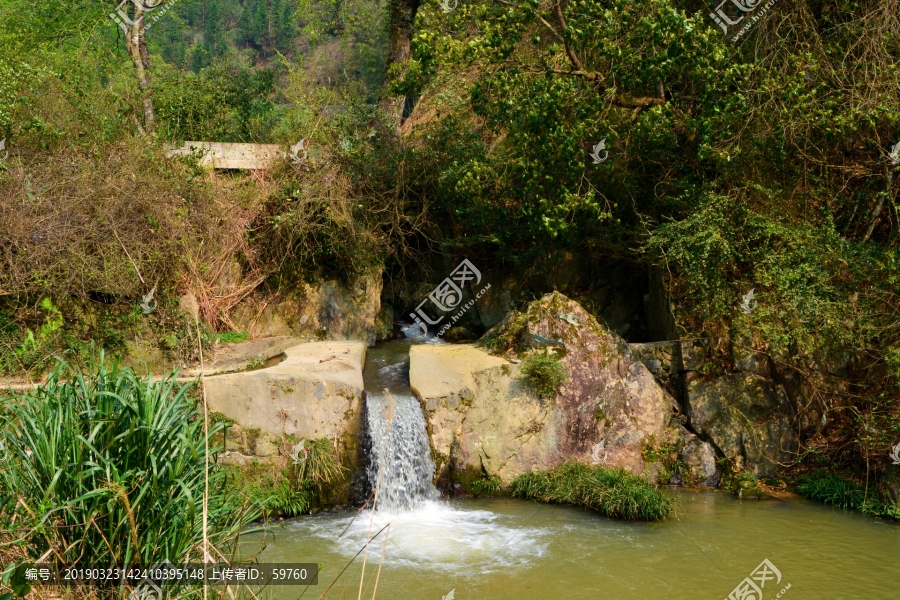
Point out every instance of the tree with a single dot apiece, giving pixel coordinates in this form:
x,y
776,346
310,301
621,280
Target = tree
x,y
130,16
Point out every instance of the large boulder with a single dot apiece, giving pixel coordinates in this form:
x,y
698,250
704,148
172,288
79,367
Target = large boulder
x,y
485,420
315,392
744,415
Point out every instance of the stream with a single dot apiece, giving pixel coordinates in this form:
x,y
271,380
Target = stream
x,y
511,549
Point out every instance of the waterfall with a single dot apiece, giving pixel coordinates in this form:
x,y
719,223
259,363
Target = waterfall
x,y
400,461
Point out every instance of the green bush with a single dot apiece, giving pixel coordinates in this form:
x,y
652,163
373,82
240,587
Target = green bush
x,y
109,467
615,493
543,373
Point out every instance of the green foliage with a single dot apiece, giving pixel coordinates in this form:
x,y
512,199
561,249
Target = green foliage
x,y
288,500
543,373
615,493
33,348
317,464
233,337
113,464
485,486
225,102
728,166
828,487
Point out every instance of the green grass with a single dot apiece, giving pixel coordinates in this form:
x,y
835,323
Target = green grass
x,y
543,373
109,468
827,487
612,492
317,463
233,337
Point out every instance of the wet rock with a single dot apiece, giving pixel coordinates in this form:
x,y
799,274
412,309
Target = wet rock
x,y
744,415
384,323
484,418
459,334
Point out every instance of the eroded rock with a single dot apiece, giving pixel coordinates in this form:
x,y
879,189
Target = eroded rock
x,y
485,420
745,415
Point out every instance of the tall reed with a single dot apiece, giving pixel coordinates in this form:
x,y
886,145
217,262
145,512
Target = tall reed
x,y
110,467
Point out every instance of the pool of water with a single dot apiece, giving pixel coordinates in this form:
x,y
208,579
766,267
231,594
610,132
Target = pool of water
x,y
509,549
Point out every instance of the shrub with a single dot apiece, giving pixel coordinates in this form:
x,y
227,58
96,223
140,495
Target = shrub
x,y
543,373
110,468
612,492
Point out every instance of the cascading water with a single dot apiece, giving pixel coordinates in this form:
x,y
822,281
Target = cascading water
x,y
400,464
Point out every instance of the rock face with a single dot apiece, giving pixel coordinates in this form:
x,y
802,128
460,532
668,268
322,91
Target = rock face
x,y
746,415
699,461
315,392
485,421
663,359
330,310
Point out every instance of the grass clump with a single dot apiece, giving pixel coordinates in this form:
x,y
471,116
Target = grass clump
x,y
543,373
318,463
615,493
233,337
827,487
108,468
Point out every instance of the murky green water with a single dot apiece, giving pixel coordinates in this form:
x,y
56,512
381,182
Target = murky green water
x,y
507,549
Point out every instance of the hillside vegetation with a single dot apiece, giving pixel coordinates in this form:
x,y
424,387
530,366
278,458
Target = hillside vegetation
x,y
767,164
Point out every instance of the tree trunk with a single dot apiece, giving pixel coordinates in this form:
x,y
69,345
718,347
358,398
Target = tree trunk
x,y
136,42
403,15
879,204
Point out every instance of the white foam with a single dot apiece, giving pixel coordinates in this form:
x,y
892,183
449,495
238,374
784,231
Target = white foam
x,y
437,536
